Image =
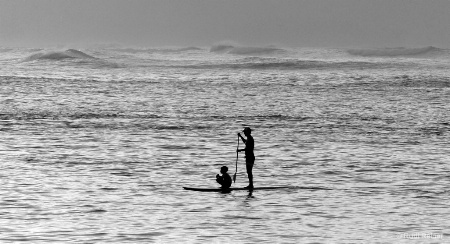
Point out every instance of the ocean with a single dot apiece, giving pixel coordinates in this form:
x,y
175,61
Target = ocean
x,y
97,143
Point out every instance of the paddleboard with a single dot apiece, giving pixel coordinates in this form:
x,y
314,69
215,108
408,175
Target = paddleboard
x,y
251,189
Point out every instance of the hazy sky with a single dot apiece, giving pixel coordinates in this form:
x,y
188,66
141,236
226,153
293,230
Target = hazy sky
x,y
372,23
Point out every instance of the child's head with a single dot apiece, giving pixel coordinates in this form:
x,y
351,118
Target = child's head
x,y
224,169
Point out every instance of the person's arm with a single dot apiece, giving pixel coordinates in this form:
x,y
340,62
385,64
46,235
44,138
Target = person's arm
x,y
245,142
219,179
243,139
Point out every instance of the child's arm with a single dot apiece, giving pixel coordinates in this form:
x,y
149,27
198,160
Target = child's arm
x,y
219,179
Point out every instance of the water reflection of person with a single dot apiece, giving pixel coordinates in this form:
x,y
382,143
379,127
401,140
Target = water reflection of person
x,y
225,179
249,155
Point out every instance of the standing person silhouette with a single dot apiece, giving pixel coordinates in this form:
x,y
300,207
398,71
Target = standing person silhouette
x,y
249,155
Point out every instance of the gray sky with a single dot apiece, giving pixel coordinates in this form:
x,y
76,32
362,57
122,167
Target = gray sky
x,y
335,23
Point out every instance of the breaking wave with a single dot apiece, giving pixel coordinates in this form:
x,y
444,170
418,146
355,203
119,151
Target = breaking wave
x,y
394,52
158,50
75,58
60,55
242,50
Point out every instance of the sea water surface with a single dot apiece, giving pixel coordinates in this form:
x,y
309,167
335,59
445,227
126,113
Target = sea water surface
x,y
96,144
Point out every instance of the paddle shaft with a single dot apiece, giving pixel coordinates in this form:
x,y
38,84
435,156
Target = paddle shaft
x,y
237,156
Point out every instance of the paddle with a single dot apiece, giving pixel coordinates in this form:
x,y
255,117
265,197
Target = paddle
x,y
237,156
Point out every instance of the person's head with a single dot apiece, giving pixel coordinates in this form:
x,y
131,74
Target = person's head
x,y
224,169
247,131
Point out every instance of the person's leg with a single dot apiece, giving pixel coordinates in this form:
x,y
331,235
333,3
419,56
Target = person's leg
x,y
249,166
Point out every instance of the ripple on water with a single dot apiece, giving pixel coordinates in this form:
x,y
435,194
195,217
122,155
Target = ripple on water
x,y
87,161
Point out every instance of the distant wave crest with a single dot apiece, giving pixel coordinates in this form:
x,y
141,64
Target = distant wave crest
x,y
285,64
393,52
5,50
242,50
60,55
158,50
74,57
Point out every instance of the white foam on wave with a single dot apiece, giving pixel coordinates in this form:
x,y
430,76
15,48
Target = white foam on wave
x,y
393,52
254,50
157,50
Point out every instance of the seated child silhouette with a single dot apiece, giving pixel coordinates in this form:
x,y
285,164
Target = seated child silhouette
x,y
225,179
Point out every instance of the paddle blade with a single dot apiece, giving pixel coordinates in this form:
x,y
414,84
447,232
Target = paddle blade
x,y
234,178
